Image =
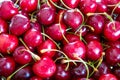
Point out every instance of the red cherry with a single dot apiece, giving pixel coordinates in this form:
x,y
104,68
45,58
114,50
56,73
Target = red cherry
x,y
33,38
7,66
94,50
44,68
8,10
21,56
28,5
112,31
108,77
3,26
8,43
75,50
35,78
19,24
47,44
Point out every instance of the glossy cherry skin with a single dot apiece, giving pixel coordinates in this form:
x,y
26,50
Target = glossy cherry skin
x,y
21,56
71,3
87,6
94,50
114,44
97,22
33,38
44,68
47,44
3,26
61,73
108,77
112,55
75,50
111,32
46,15
23,74
36,26
28,5
73,18
56,30
91,36
8,10
7,66
8,43
101,7
35,78
102,69
19,24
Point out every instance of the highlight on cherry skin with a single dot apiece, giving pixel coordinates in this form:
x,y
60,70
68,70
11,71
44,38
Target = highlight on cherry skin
x,y
59,40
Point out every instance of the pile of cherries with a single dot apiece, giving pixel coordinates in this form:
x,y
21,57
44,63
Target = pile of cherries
x,y
59,39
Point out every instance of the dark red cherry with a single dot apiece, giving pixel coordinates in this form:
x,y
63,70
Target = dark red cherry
x,y
36,78
114,44
8,43
3,26
33,37
112,55
88,6
113,2
117,72
71,3
47,44
108,77
61,73
56,30
19,24
91,36
36,26
101,7
28,5
8,10
23,74
112,31
102,69
73,18
97,22
94,50
44,68
75,50
7,66
46,15
21,56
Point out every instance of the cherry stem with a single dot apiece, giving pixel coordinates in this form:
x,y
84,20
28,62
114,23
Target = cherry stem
x,y
16,2
24,43
59,58
119,64
9,77
1,55
51,40
115,8
81,15
38,6
32,17
43,31
61,28
57,5
65,5
45,50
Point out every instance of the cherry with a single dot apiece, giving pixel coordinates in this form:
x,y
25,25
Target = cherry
x,y
102,69
84,79
8,10
3,26
7,66
94,50
35,78
47,44
71,3
44,68
28,5
73,18
101,7
19,24
61,73
57,29
23,74
114,44
75,50
109,2
112,31
46,15
21,56
33,38
108,77
97,22
8,43
36,26
117,72
87,6
112,55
